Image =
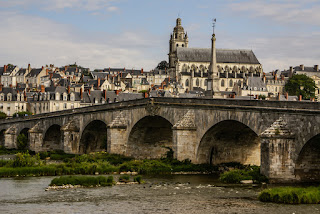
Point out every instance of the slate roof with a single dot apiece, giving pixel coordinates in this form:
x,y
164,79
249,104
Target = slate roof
x,y
223,55
34,72
256,82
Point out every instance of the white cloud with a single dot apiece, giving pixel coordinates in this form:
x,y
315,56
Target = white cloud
x,y
88,5
293,11
39,41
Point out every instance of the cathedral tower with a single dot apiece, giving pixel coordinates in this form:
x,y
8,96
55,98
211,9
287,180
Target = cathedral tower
x,y
178,39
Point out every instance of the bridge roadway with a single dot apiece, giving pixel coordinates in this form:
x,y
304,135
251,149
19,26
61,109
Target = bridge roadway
x,y
282,137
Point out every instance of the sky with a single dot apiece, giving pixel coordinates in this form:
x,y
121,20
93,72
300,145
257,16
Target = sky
x,y
135,33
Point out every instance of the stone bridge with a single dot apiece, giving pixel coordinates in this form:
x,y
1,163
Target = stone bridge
x,y
281,137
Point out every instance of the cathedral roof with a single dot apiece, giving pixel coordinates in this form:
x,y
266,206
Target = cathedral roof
x,y
223,55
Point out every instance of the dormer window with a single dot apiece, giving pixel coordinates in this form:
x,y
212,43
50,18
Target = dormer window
x,y
57,96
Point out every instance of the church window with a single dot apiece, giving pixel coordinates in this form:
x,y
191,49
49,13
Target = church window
x,y
276,89
177,45
187,83
197,82
175,36
205,82
222,83
182,45
230,83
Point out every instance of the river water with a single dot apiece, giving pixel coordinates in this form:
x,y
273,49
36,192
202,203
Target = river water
x,y
169,194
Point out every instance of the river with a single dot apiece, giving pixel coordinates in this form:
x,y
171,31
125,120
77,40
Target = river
x,y
168,194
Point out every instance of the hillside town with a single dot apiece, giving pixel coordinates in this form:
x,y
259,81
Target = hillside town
x,y
189,73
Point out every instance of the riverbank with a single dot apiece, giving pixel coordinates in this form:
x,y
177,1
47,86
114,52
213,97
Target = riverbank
x,y
46,164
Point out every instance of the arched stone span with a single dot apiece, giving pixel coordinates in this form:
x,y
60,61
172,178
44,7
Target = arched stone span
x,y
25,131
229,141
53,138
93,137
307,166
149,137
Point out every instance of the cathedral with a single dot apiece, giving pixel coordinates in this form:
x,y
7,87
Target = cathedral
x,y
192,66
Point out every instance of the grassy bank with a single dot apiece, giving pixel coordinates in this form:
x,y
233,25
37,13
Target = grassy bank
x,y
246,173
26,164
86,181
291,195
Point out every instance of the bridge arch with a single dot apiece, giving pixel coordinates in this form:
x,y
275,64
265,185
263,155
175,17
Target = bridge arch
x,y
93,137
53,138
229,141
149,137
307,166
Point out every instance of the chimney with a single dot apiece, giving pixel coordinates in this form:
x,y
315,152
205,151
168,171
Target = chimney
x,y
68,89
65,68
109,68
275,77
316,67
25,95
98,86
264,79
121,74
81,94
50,76
141,70
146,95
300,97
169,79
286,95
47,71
42,67
278,98
108,77
42,88
291,71
4,68
105,95
302,67
29,67
117,92
282,77
1,87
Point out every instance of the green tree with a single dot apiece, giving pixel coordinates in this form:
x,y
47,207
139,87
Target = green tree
x,y
2,115
163,65
22,141
301,84
21,114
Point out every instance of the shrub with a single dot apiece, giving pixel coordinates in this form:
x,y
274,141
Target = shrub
x,y
22,141
248,173
124,178
291,195
3,115
25,159
138,179
86,181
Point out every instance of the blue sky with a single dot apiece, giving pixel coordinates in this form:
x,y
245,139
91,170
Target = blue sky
x,y
135,33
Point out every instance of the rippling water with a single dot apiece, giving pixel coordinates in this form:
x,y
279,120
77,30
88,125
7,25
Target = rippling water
x,y
171,194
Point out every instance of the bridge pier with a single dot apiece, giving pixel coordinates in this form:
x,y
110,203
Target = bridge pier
x,y
36,138
277,153
10,138
71,138
185,138
116,135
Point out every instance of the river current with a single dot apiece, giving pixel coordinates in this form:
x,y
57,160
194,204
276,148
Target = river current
x,y
168,194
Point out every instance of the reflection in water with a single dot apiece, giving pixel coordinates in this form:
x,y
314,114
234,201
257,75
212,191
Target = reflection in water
x,y
169,194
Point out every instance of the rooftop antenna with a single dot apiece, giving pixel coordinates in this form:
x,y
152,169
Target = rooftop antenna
x,y
214,24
